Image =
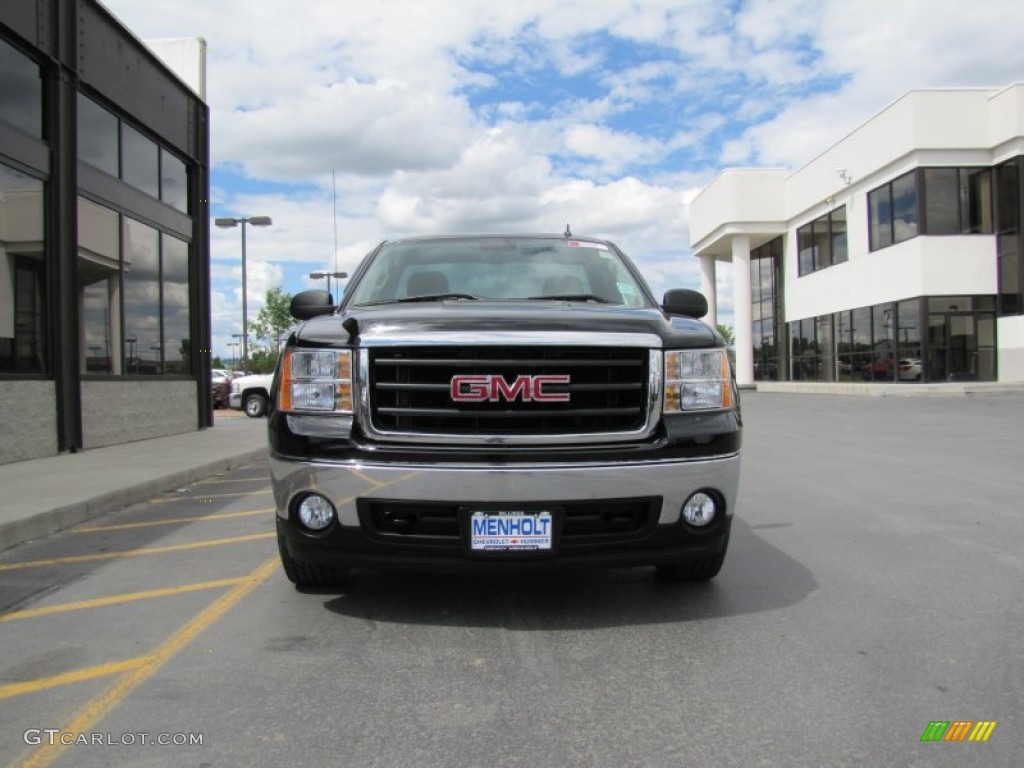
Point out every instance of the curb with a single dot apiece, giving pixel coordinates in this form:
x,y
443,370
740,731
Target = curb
x,y
51,521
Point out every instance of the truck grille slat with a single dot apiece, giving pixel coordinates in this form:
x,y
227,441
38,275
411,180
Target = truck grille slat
x,y
410,390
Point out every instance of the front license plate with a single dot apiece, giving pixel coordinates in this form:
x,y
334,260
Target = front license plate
x,y
511,531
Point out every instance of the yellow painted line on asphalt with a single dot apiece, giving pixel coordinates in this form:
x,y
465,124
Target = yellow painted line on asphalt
x,y
206,496
132,552
215,480
126,597
77,676
173,521
88,716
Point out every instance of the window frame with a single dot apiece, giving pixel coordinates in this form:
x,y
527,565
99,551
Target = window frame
x,y
821,234
874,225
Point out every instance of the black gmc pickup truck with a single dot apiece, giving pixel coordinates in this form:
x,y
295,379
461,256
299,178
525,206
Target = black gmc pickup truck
x,y
501,403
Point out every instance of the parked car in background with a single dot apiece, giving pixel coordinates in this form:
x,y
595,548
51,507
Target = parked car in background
x,y
910,369
251,394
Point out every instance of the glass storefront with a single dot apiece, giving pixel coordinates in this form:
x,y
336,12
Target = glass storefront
x,y
23,307
887,342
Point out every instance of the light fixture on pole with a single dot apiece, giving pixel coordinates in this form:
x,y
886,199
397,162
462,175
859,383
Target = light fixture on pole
x,y
227,223
328,275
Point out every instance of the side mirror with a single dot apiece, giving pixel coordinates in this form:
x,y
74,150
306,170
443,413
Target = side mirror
x,y
683,301
309,304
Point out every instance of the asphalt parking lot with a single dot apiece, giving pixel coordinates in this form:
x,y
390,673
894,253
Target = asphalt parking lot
x,y
875,585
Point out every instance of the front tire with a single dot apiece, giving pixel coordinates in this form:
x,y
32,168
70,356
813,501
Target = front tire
x,y
306,574
255,405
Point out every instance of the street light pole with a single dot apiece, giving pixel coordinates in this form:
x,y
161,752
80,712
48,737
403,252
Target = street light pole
x,y
328,275
226,223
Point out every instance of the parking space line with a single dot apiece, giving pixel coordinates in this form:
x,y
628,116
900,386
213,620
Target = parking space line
x,y
205,496
173,521
126,597
54,681
132,552
88,716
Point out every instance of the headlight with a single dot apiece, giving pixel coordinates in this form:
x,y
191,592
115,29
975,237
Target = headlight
x,y
316,380
697,379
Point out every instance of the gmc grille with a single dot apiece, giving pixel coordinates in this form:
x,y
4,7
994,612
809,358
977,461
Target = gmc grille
x,y
410,390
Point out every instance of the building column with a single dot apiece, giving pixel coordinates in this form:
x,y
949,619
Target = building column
x,y
709,287
742,311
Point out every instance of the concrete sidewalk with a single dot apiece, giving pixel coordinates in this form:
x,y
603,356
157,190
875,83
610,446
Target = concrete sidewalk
x,y
41,496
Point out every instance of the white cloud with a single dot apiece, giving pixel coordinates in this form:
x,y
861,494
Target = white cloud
x,y
460,115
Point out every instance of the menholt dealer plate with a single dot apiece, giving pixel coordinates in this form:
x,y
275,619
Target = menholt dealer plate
x,y
511,531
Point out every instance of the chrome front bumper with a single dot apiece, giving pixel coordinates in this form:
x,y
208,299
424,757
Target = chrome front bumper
x,y
345,482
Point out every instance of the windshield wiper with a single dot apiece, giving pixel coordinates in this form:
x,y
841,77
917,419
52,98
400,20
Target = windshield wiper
x,y
570,297
424,297
438,297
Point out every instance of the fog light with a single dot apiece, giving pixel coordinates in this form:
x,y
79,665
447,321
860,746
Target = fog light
x,y
700,509
315,512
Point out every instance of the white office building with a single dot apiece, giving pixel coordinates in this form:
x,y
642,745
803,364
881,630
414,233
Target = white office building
x,y
895,255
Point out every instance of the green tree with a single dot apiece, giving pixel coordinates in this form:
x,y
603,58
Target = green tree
x,y
727,334
273,321
217,363
262,360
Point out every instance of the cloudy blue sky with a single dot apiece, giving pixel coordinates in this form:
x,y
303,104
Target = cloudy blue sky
x,y
487,116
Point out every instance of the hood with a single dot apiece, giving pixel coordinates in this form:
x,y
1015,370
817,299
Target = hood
x,y
379,324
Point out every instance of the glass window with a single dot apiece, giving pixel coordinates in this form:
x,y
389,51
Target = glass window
x,y
99,281
97,135
822,243
904,208
173,181
837,221
910,366
140,161
977,188
942,201
892,211
1008,197
767,277
880,214
21,91
177,339
142,333
23,342
806,245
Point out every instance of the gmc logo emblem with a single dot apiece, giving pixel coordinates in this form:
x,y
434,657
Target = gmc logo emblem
x,y
493,387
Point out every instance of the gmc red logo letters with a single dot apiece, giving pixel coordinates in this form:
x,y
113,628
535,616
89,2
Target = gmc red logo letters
x,y
493,387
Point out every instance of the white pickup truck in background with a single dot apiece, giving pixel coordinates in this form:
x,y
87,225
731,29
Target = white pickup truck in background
x,y
251,394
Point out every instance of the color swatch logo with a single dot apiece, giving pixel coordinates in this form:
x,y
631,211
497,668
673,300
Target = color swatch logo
x,y
958,730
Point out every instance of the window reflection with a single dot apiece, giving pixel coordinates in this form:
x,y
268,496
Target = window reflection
x,y
99,281
177,345
142,298
904,208
21,91
140,161
23,346
97,135
173,181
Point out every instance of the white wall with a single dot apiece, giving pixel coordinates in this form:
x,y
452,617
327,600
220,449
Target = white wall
x,y
921,266
1011,348
186,57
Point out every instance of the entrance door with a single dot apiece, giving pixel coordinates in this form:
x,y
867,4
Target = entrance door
x,y
953,353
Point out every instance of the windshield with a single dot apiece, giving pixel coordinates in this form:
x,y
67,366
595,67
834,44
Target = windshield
x,y
498,268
